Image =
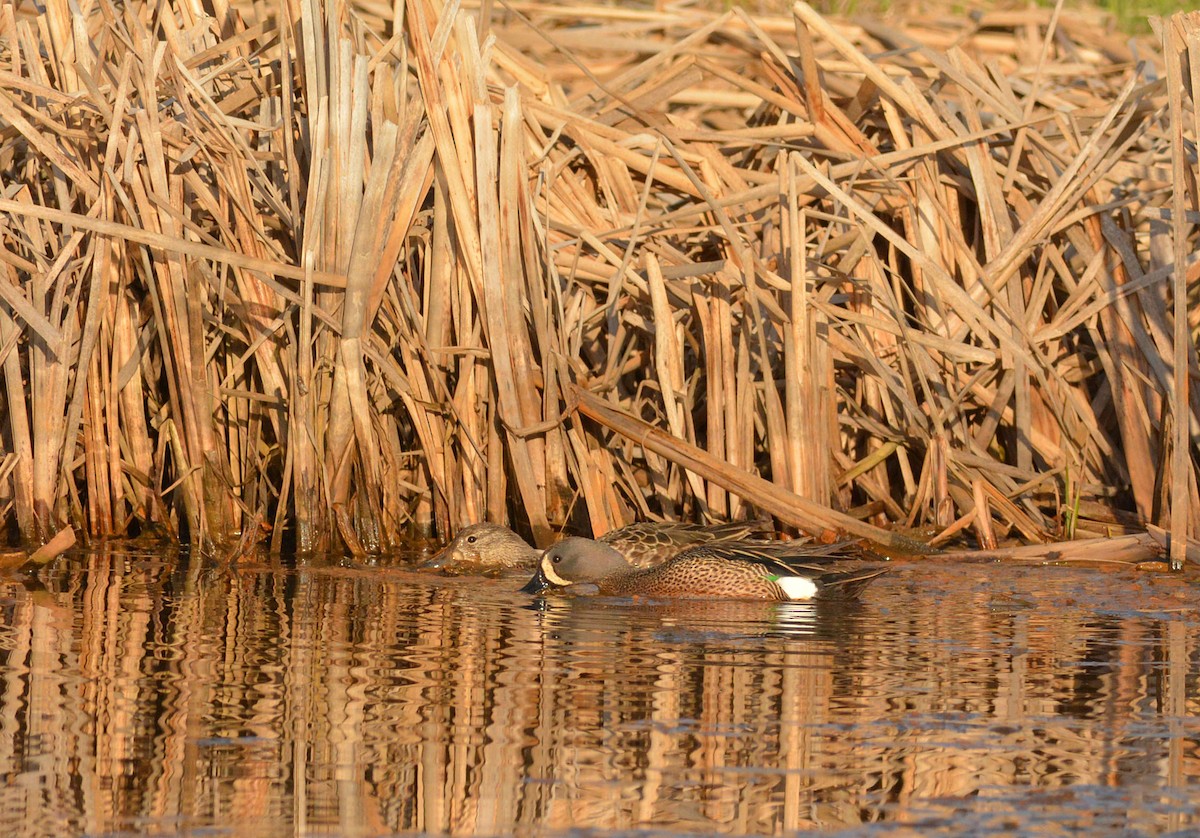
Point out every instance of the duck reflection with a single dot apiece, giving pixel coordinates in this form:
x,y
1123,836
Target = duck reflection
x,y
275,700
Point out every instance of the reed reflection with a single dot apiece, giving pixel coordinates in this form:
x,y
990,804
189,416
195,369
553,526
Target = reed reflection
x,y
138,696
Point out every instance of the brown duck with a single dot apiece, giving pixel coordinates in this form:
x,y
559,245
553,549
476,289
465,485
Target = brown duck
x,y
783,571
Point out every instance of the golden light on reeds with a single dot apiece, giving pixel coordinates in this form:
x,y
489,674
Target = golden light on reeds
x,y
360,272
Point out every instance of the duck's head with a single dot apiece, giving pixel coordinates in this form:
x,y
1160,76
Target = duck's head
x,y
576,561
480,548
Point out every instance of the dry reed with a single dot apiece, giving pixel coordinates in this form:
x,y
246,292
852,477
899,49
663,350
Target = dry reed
x,y
357,271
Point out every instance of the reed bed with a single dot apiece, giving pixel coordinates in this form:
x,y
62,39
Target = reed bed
x,y
332,274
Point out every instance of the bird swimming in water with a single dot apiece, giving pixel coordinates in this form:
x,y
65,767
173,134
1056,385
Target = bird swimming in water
x,y
491,548
781,571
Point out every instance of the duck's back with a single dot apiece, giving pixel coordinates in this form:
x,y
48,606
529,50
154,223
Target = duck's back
x,y
646,544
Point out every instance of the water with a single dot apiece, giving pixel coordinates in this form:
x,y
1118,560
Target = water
x,y
139,698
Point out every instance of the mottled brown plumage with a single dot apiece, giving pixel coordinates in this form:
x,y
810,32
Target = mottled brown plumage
x,y
648,543
482,548
780,571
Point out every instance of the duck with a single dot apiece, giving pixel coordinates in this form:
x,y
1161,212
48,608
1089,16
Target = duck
x,y
779,571
491,548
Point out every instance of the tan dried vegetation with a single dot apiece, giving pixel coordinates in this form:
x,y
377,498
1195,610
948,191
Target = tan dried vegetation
x,y
342,273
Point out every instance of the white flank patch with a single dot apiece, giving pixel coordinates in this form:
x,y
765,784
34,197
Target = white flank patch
x,y
797,587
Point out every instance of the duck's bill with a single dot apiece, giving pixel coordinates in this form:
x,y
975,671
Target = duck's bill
x,y
439,561
537,584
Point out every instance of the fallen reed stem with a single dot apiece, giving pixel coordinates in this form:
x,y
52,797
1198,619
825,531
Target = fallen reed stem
x,y
351,269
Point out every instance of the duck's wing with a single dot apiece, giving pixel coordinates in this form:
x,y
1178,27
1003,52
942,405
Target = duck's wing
x,y
646,543
788,555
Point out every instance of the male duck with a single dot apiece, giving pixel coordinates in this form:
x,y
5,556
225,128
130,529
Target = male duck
x,y
492,547
782,571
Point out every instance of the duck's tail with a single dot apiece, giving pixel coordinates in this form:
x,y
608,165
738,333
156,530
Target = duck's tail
x,y
846,584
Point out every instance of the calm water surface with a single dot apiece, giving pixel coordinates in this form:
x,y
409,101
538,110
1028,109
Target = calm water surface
x,y
142,698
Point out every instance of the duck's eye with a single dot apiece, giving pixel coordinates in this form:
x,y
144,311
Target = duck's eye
x,y
471,539
556,559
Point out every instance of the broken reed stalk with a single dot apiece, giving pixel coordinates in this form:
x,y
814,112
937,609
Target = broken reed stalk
x,y
283,266
1181,37
787,506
